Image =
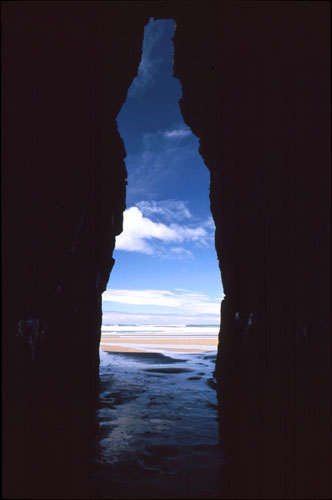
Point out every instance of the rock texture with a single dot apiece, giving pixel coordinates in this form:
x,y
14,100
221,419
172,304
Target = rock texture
x,y
255,80
67,67
256,92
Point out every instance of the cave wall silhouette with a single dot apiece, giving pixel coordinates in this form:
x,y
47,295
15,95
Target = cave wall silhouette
x,y
256,91
67,67
257,94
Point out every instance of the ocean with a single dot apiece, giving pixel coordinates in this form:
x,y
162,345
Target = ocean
x,y
157,417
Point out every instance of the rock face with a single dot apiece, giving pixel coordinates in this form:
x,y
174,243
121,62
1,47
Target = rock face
x,y
255,81
256,93
67,69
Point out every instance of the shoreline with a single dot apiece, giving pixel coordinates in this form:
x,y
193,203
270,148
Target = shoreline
x,y
117,348
167,340
181,345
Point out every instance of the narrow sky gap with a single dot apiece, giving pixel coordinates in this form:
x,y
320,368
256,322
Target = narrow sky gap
x,y
166,269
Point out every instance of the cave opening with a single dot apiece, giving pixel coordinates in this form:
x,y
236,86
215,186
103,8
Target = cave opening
x,y
161,308
166,270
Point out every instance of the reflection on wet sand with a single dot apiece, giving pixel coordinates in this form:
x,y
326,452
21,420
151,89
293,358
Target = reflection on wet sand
x,y
158,427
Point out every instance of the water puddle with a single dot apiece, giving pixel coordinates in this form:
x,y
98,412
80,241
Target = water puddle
x,y
158,427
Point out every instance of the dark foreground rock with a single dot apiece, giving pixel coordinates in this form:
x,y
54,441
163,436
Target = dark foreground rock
x,y
256,91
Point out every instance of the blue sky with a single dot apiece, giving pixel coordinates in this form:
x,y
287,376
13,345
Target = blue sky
x,y
166,269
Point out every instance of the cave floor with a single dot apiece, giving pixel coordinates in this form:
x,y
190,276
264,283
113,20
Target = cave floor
x,y
158,426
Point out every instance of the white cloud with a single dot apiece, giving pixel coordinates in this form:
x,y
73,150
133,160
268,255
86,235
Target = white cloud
x,y
168,209
210,223
149,62
142,297
177,133
125,318
182,253
159,160
137,229
181,302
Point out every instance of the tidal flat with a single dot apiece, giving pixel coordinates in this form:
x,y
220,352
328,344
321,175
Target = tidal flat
x,y
158,429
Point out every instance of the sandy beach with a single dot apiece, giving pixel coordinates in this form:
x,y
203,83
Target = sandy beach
x,y
117,348
120,344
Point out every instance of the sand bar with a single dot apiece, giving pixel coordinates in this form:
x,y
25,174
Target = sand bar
x,y
194,345
154,340
117,348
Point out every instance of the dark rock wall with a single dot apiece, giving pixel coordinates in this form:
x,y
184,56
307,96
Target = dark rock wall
x,y
67,67
256,91
255,80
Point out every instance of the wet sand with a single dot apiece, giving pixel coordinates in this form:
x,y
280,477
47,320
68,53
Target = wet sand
x,y
117,348
187,345
158,427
